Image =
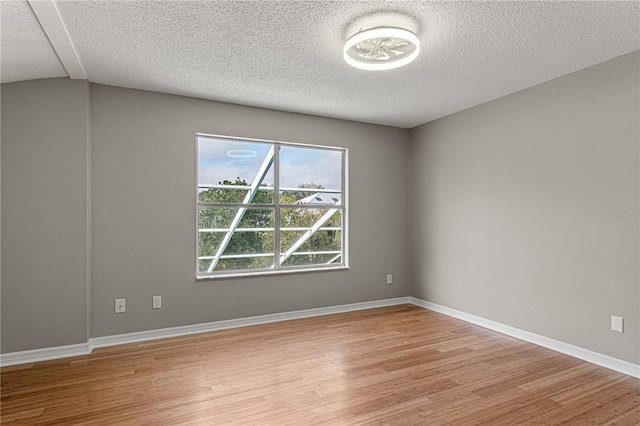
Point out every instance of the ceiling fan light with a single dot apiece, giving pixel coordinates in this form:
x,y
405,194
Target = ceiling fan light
x,y
381,48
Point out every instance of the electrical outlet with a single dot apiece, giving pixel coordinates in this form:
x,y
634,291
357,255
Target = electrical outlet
x,y
389,279
617,323
157,302
120,306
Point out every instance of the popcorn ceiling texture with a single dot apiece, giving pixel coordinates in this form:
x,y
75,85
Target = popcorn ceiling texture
x,y
25,51
288,55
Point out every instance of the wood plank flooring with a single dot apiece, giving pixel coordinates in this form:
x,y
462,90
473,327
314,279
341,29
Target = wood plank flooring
x,y
400,365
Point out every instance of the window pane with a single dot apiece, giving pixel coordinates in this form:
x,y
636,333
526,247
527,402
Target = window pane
x,y
234,234
310,176
228,168
310,236
248,246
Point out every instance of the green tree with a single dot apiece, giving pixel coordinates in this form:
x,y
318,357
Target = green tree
x,y
241,242
306,216
263,241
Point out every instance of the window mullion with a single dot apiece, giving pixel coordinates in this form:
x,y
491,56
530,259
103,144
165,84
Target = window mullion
x,y
276,212
344,235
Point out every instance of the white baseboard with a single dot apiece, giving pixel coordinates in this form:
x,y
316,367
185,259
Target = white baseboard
x,y
58,352
98,342
46,354
615,364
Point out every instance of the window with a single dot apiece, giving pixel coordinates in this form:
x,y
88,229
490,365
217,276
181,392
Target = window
x,y
268,207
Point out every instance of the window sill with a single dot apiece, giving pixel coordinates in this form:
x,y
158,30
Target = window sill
x,y
263,273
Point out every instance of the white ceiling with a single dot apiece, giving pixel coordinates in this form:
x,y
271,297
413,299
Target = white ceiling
x,y
287,55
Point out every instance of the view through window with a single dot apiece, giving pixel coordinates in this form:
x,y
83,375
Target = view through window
x,y
269,206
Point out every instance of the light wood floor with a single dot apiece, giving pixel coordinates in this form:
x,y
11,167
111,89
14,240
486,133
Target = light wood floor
x,y
399,365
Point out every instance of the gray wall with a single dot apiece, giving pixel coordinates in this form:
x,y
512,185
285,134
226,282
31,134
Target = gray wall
x,y
143,231
45,143
509,205
141,241
515,205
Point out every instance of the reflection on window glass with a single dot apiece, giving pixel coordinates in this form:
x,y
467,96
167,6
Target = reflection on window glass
x,y
237,205
221,160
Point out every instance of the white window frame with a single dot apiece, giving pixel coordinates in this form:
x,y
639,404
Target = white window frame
x,y
277,268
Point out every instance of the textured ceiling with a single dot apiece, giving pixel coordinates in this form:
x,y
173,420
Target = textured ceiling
x,y
288,55
25,51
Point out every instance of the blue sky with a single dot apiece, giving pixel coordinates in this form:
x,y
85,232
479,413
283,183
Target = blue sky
x,y
220,159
